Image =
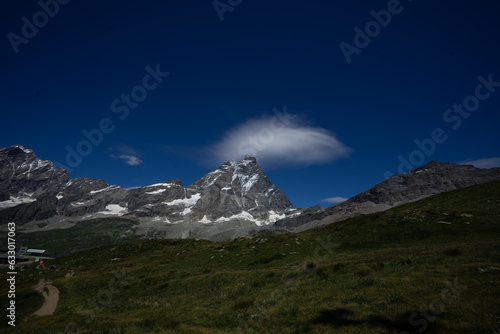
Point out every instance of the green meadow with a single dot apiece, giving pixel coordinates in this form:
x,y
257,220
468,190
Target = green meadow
x,y
411,269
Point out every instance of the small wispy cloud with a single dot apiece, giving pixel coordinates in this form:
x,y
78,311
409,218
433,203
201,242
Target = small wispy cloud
x,y
483,163
334,200
283,139
129,159
126,153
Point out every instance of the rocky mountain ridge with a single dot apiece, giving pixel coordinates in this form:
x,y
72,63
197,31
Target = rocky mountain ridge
x,y
229,201
430,179
233,200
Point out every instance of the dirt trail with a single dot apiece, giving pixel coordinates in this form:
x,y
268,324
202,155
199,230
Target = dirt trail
x,y
51,299
41,265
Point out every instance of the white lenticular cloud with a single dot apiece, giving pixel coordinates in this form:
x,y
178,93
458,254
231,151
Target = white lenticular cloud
x,y
283,139
483,163
334,200
129,159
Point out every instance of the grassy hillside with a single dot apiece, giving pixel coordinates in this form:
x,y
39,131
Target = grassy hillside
x,y
85,235
391,272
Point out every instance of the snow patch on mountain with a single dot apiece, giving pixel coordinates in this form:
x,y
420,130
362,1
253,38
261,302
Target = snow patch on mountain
x,y
114,209
162,184
80,203
162,219
244,215
212,177
104,189
204,220
159,191
269,191
188,202
273,217
15,201
29,168
250,183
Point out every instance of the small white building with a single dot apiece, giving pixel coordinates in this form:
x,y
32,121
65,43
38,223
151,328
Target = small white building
x,y
33,251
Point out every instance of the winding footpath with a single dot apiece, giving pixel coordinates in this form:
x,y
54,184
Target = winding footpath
x,y
51,299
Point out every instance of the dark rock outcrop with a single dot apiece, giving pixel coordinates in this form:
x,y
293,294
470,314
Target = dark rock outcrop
x,y
430,179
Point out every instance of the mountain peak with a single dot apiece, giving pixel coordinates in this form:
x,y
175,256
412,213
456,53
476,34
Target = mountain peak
x,y
230,163
249,158
16,149
434,166
23,176
428,165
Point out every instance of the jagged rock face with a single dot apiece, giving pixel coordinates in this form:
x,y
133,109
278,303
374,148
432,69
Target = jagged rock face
x,y
233,196
233,189
430,179
154,194
234,199
24,177
299,218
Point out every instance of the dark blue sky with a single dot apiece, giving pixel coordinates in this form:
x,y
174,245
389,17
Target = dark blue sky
x,y
349,122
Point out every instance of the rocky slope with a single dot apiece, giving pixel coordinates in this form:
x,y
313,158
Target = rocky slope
x,y
430,179
233,200
227,202
24,177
